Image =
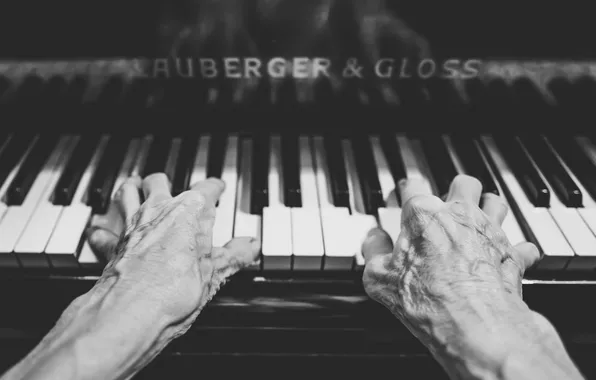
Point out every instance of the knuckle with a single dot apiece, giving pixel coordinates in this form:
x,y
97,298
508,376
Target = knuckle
x,y
418,202
193,198
154,177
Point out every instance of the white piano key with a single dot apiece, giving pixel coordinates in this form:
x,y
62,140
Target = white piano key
x,y
199,171
390,215
4,187
459,166
131,165
390,221
223,229
556,249
277,238
140,159
360,223
510,225
16,218
277,226
583,233
87,259
277,218
42,222
245,223
66,238
413,160
338,249
386,179
307,233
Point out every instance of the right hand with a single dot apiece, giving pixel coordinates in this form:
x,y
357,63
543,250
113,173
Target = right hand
x,y
453,277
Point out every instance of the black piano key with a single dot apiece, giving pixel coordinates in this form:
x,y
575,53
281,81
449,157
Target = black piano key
x,y
19,188
473,163
290,158
104,178
217,154
337,171
184,166
439,161
524,170
368,174
260,174
78,162
577,160
553,171
157,157
12,154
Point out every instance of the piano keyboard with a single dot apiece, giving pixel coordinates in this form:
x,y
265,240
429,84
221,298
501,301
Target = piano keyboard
x,y
310,199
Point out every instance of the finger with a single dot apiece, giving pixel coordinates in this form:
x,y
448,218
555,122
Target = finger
x,y
377,243
238,253
102,242
527,255
522,257
413,187
127,199
211,189
494,207
156,187
466,189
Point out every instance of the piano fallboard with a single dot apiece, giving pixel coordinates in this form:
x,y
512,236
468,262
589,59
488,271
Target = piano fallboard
x,y
266,322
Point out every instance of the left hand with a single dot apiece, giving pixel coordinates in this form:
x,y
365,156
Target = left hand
x,y
165,252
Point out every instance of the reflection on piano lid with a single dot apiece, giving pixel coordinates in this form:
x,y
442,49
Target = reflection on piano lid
x,y
525,91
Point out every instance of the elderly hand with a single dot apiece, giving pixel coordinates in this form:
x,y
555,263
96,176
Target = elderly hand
x,y
453,278
165,251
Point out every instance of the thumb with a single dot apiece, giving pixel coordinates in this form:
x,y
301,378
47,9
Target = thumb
x,y
527,255
523,257
237,254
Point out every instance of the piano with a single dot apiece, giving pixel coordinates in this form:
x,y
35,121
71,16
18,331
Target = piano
x,y
310,178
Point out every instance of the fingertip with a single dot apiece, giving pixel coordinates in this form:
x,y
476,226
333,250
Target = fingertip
x,y
217,182
377,242
529,255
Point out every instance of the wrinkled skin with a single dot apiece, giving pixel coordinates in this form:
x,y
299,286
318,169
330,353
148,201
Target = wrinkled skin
x,y
452,271
166,247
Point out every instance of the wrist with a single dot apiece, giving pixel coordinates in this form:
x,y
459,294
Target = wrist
x,y
480,344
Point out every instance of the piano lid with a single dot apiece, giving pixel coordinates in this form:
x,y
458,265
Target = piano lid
x,y
285,54
71,29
